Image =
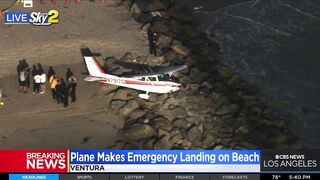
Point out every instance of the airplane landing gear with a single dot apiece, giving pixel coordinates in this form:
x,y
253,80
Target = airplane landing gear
x,y
144,96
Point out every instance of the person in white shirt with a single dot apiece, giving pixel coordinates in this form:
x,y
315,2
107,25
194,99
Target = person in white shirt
x,y
37,81
43,79
23,81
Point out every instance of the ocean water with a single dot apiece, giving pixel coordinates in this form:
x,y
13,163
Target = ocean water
x,y
274,44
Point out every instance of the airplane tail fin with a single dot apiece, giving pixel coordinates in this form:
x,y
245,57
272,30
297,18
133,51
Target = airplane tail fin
x,y
93,66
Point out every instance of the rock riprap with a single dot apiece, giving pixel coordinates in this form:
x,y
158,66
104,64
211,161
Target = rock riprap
x,y
216,110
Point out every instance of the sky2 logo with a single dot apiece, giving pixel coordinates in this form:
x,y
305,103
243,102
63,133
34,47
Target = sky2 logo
x,y
44,19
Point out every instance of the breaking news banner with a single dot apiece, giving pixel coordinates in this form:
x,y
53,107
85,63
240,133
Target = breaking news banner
x,y
164,161
106,161
212,164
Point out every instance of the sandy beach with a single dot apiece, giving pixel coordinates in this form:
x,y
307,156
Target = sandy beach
x,y
36,121
105,28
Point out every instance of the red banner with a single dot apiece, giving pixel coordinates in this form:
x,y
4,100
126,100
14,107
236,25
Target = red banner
x,y
33,161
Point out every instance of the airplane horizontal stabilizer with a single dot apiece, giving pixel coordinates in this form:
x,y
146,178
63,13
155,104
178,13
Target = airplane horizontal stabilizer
x,y
93,79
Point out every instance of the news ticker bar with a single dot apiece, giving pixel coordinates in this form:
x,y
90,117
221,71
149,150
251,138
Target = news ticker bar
x,y
173,176
159,161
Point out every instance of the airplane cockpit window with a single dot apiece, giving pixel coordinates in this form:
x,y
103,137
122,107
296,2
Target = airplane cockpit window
x,y
152,78
141,79
164,77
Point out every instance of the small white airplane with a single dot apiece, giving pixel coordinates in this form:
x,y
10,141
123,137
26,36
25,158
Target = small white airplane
x,y
158,82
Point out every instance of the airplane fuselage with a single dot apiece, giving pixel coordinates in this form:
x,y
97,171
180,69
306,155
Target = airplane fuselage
x,y
155,83
142,85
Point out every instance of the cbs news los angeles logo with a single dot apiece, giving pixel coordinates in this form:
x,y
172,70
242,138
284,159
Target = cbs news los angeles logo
x,y
35,18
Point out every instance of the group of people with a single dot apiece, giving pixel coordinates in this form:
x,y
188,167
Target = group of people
x,y
61,89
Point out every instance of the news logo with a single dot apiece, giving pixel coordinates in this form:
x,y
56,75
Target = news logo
x,y
35,18
46,160
44,19
16,18
34,161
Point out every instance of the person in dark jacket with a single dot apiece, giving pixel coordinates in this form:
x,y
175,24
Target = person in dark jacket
x,y
69,73
65,93
40,69
26,68
72,88
19,69
152,42
58,92
50,72
34,72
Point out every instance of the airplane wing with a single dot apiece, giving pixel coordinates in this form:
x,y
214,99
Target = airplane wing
x,y
167,70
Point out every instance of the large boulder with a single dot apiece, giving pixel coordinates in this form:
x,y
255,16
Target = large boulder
x,y
165,41
180,112
115,105
227,109
181,123
194,133
170,55
138,113
163,144
139,131
152,5
135,9
129,107
120,95
180,49
161,123
224,71
160,26
181,14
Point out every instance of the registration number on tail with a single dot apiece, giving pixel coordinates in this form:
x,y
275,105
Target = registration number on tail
x,y
115,81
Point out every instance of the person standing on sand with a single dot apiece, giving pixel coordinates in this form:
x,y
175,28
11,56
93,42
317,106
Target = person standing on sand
x,y
40,69
34,72
64,92
72,88
69,73
53,81
19,69
58,92
26,68
37,80
50,72
43,83
23,82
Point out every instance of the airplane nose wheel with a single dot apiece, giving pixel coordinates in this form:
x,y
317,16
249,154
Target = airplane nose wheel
x,y
144,96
